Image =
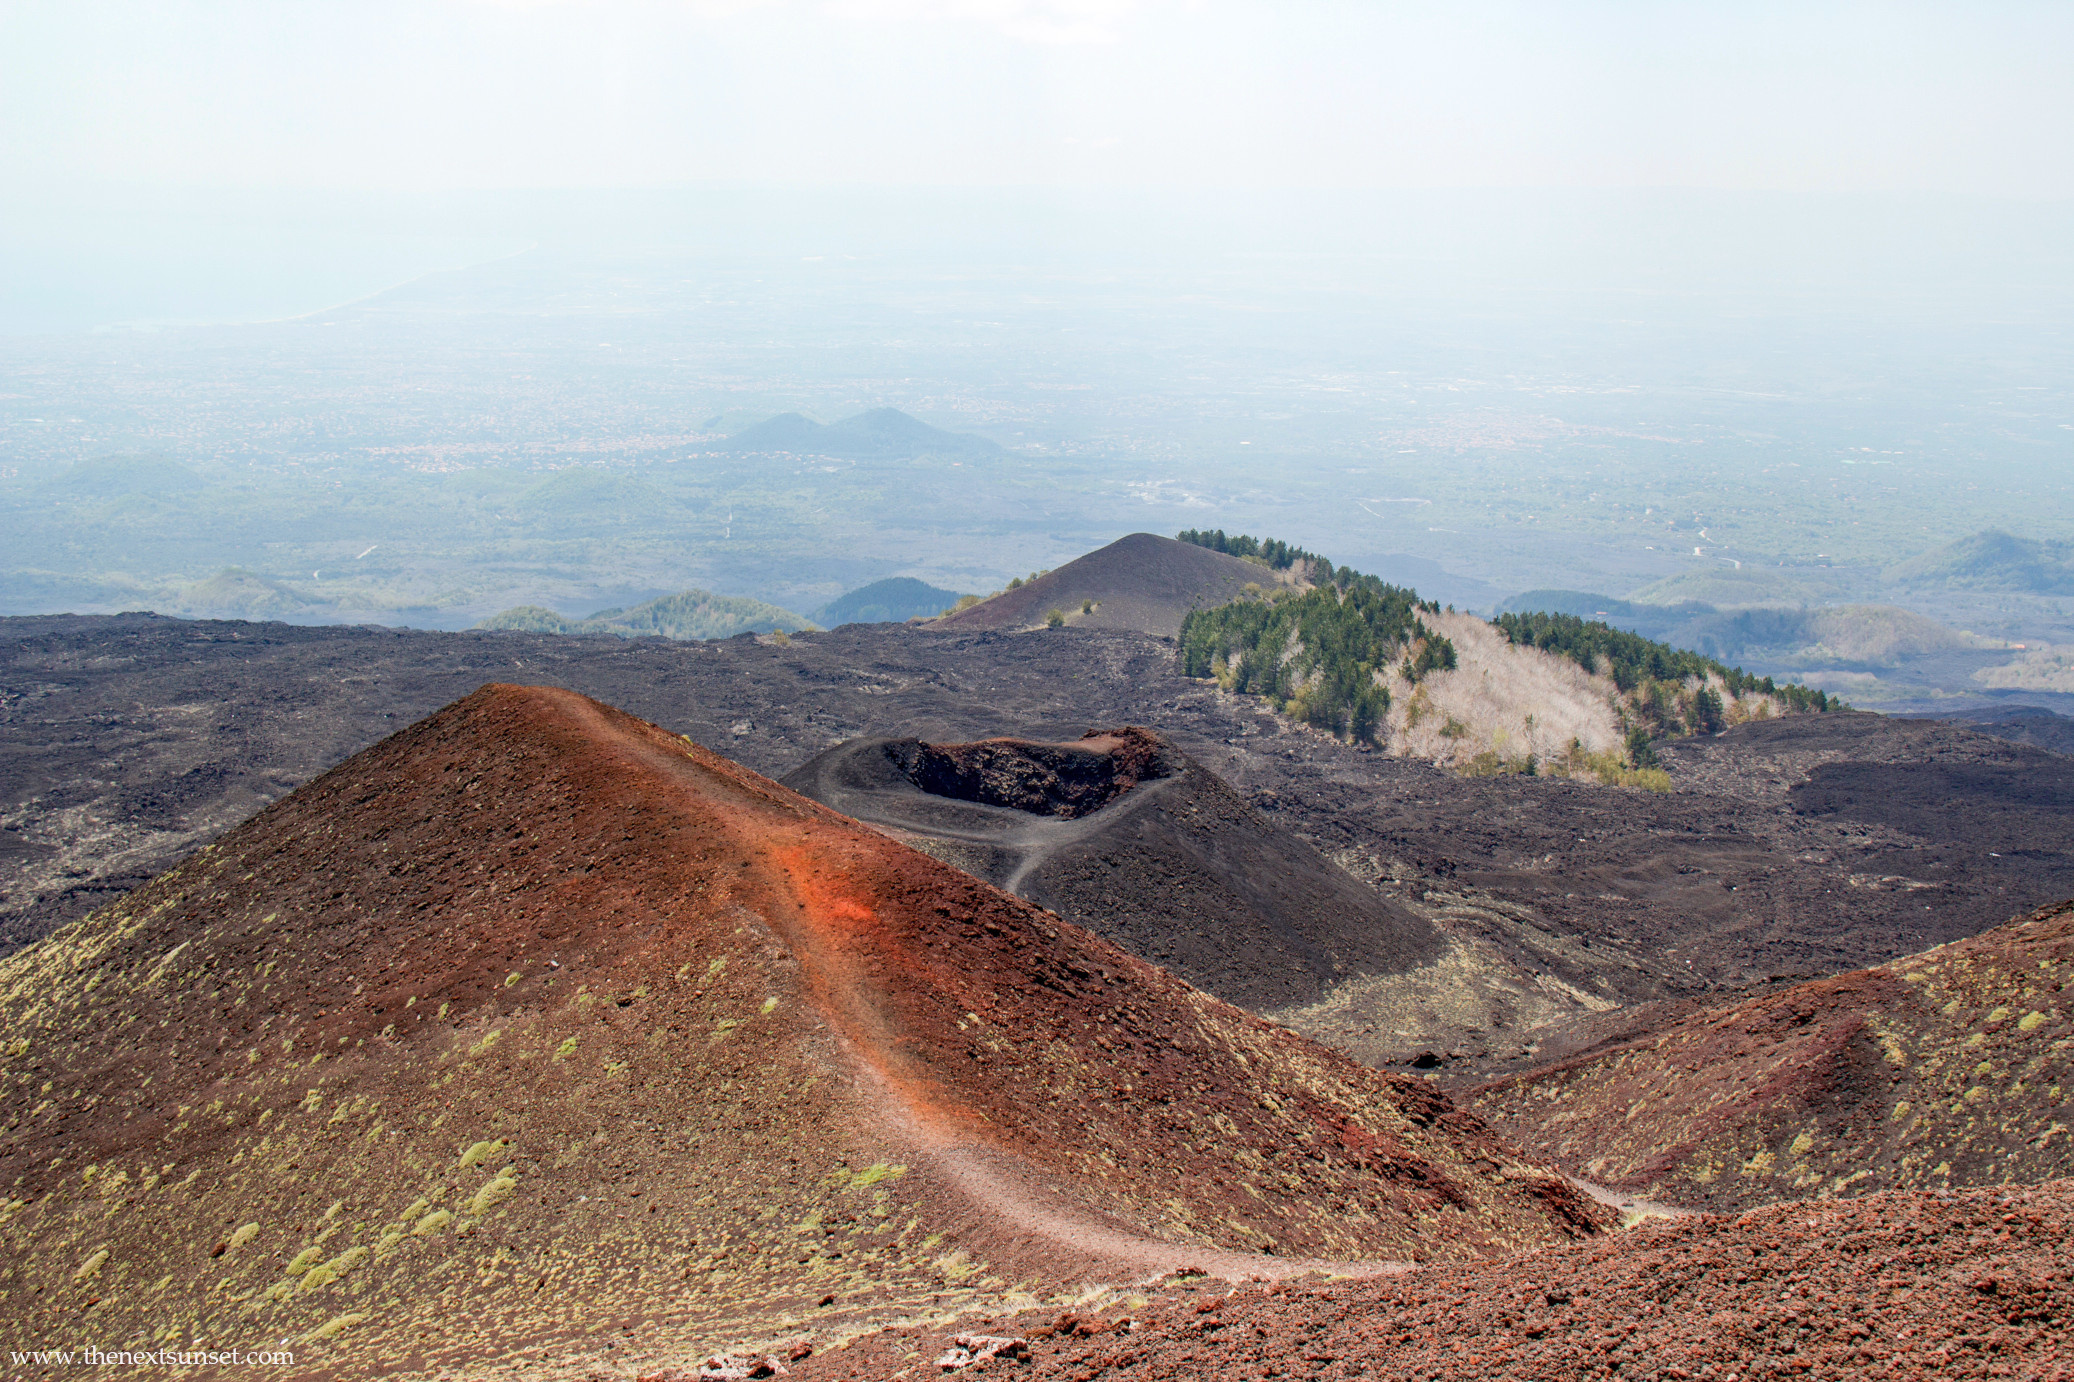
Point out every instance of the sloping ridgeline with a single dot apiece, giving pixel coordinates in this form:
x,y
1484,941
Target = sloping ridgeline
x,y
1315,653
1666,690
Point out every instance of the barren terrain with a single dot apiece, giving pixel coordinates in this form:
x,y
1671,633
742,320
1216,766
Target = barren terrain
x,y
1900,1284
130,740
535,1026
1954,1067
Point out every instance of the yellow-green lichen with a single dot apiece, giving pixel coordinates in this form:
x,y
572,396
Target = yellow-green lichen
x,y
333,1327
492,1194
482,1152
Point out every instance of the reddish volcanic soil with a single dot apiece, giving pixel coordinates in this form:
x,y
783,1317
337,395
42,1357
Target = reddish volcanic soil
x,y
1949,1068
1900,1284
537,1035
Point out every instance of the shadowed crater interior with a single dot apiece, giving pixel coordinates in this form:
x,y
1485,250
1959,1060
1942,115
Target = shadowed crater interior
x,y
1063,780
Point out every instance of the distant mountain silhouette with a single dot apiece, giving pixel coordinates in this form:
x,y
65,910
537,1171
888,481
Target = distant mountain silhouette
x,y
1992,560
881,434
887,602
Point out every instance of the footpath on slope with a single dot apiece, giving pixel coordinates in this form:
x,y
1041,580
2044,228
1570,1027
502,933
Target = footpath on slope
x,y
1894,1285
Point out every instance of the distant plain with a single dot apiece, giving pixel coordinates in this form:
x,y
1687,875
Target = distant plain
x,y
1737,400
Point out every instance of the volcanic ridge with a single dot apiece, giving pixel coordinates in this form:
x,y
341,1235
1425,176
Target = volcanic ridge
x,y
1948,1068
535,1033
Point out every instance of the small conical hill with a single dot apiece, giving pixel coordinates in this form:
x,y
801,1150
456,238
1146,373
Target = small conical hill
x,y
535,1032
1142,582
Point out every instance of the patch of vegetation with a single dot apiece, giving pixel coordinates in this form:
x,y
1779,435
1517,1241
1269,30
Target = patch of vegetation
x,y
490,1195
481,1152
1667,688
1638,769
334,1327
1316,654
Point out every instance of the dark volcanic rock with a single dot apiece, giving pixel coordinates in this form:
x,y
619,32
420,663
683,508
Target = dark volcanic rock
x,y
1135,840
2024,724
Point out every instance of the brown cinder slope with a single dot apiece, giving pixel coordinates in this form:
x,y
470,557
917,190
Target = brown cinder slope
x,y
1143,582
1949,1068
533,1028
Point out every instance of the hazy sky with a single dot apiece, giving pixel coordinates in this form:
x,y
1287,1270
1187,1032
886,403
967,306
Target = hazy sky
x,y
431,94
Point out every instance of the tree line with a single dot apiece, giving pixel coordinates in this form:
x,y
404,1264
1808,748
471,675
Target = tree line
x,y
1653,675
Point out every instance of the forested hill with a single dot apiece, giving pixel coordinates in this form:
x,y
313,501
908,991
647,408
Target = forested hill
x,y
689,614
1373,663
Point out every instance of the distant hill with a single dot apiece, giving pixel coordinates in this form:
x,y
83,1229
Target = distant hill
x,y
886,602
1875,635
1142,582
1992,560
689,615
881,434
237,594
1937,1071
1371,662
534,1015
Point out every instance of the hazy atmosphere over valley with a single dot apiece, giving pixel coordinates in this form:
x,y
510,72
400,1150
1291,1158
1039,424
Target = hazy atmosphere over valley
x,y
1118,688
